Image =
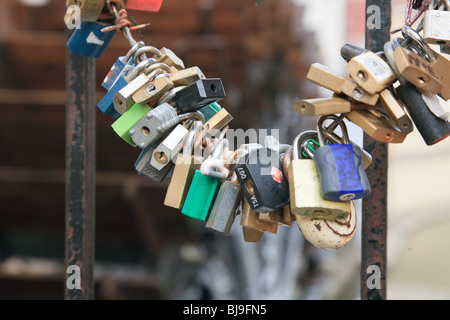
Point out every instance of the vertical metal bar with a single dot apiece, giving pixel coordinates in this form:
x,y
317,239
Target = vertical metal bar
x,y
80,174
374,207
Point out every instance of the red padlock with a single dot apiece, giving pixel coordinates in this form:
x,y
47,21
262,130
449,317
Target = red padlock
x,y
144,5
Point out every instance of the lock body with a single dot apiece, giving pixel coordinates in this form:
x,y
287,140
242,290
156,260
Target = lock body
x,y
89,40
153,125
371,72
145,169
200,197
199,94
125,122
249,219
436,26
183,173
123,98
223,211
169,147
341,171
262,180
306,196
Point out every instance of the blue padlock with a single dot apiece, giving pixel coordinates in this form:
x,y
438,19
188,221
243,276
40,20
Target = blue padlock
x,y
122,66
89,40
106,104
340,167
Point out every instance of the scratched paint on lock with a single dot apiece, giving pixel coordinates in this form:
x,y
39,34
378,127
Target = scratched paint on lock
x,y
347,173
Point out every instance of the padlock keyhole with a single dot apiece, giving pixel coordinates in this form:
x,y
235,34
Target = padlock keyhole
x,y
213,87
146,131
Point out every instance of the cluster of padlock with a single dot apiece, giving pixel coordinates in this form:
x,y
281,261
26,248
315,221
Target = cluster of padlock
x,y
173,114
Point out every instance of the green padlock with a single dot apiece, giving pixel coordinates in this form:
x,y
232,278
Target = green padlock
x,y
127,120
205,184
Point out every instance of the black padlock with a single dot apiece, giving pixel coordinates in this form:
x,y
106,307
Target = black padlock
x,y
199,94
432,128
263,181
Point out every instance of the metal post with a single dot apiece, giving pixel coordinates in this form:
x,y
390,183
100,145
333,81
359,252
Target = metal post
x,y
374,207
80,176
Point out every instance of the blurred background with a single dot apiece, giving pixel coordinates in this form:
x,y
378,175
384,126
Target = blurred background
x,y
145,250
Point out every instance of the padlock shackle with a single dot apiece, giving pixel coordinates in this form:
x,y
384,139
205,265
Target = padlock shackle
x,y
296,145
145,49
192,115
169,95
133,50
139,67
190,139
417,39
320,128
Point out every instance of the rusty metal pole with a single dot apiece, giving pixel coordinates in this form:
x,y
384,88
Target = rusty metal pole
x,y
80,176
374,207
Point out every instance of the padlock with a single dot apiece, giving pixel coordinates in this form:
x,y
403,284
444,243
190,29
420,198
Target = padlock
x,y
217,122
262,180
304,185
224,209
121,67
340,166
354,91
395,112
432,128
185,166
371,72
168,149
125,122
185,77
328,234
436,26
90,10
332,137
326,78
153,125
210,110
146,81
377,127
249,219
442,68
349,51
416,70
204,188
326,106
152,91
89,40
145,169
108,105
199,94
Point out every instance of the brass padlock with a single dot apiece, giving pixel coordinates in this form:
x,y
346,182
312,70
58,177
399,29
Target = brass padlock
x,y
326,106
357,93
377,127
216,123
250,219
281,216
185,166
395,112
152,91
417,70
185,77
252,235
304,185
325,77
371,72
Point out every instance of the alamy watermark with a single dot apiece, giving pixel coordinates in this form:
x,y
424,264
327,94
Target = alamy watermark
x,y
374,20
73,17
74,280
374,280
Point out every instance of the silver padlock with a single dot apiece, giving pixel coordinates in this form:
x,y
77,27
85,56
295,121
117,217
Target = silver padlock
x,y
154,125
168,149
436,26
144,168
